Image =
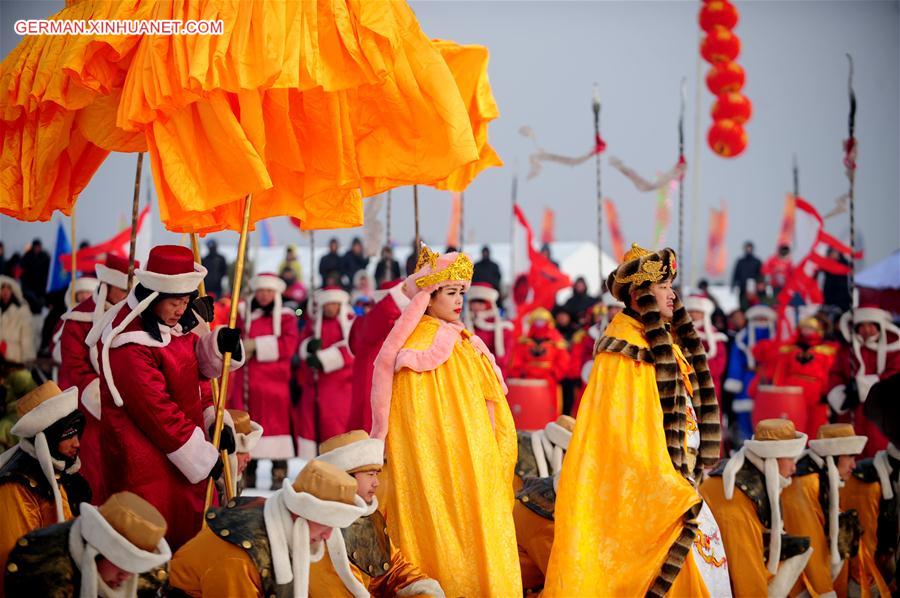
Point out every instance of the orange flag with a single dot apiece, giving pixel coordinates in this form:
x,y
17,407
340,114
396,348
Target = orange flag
x,y
716,254
615,231
453,233
788,219
547,226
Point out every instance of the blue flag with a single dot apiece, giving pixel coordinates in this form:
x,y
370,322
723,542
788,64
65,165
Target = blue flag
x,y
59,278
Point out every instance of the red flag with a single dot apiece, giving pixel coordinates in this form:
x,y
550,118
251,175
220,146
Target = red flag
x,y
454,239
788,219
547,226
89,257
715,251
615,231
544,278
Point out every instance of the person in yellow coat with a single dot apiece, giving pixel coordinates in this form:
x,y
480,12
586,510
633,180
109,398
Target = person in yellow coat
x,y
362,561
264,547
39,476
874,491
812,506
439,401
760,563
648,423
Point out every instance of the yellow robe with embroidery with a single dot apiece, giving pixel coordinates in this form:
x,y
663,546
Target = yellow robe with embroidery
x,y
324,581
535,537
449,501
209,566
621,502
742,534
865,498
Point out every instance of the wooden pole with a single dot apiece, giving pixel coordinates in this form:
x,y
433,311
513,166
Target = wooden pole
x,y
851,174
135,201
681,179
74,256
226,358
388,217
596,107
214,383
462,220
416,213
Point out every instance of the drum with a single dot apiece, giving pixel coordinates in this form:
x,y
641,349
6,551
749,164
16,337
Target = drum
x,y
783,402
534,403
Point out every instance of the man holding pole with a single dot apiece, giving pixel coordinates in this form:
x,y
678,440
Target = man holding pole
x,y
154,351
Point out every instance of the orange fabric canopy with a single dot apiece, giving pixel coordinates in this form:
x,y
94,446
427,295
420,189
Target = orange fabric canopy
x,y
306,105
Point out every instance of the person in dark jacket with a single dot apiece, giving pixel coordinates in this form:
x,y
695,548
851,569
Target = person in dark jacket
x,y
836,287
487,270
748,267
388,268
580,301
352,262
216,268
413,258
35,269
330,264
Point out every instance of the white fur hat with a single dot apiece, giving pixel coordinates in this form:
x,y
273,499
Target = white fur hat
x,y
85,284
353,451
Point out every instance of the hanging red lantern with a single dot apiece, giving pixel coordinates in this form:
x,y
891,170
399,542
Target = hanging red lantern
x,y
720,45
727,138
732,106
724,77
719,13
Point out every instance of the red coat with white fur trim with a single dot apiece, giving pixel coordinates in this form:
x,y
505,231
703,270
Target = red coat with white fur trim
x,y
263,386
487,335
325,405
366,337
77,369
156,445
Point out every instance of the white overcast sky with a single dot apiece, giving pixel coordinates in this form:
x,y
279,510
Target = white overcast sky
x,y
545,57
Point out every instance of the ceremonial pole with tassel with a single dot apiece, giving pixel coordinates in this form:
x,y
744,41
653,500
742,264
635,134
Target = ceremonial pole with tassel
x,y
74,255
681,177
596,107
850,164
221,396
214,383
135,201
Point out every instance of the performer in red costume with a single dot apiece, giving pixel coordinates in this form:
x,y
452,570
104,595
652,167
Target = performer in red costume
x,y
367,334
263,387
873,354
154,350
806,363
542,353
78,362
326,371
715,343
483,318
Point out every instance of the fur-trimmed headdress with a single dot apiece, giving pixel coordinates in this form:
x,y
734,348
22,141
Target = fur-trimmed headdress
x,y
270,281
639,269
433,272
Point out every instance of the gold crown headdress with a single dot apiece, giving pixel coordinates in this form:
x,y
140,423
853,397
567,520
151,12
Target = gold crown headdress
x,y
650,270
461,269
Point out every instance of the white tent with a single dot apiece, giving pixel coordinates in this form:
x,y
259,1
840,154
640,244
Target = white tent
x,y
882,275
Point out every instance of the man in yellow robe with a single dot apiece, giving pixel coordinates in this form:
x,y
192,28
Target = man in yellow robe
x,y
534,517
264,547
35,473
362,561
760,563
628,504
812,506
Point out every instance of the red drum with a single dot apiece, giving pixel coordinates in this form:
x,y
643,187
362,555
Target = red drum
x,y
534,403
780,402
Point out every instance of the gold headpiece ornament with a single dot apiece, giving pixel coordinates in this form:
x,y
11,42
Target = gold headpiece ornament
x,y
650,270
461,269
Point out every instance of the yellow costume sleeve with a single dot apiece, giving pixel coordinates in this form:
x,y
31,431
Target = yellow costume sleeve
x,y
22,511
621,503
210,566
866,500
742,534
402,574
324,581
535,537
803,516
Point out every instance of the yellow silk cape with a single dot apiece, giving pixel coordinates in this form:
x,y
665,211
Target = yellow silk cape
x,y
449,474
620,503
